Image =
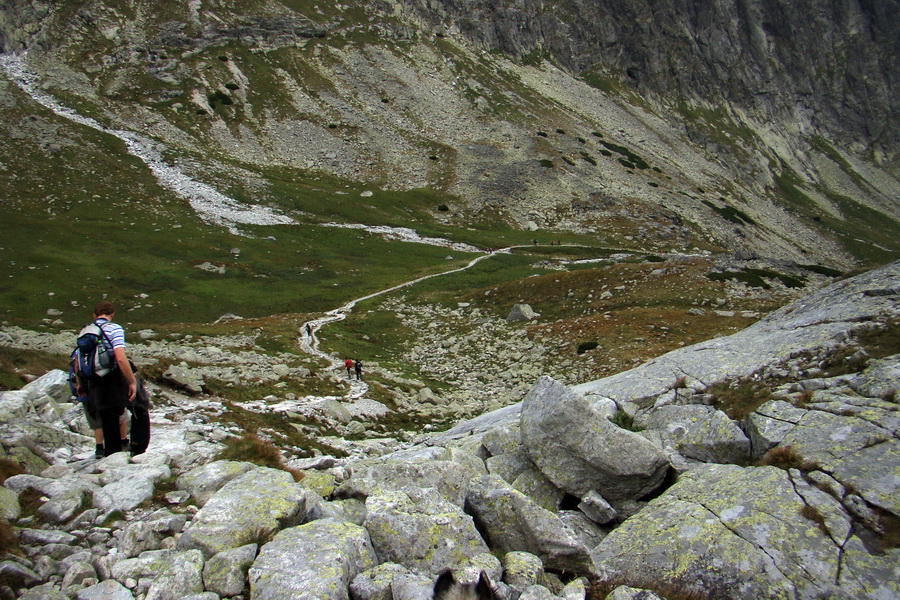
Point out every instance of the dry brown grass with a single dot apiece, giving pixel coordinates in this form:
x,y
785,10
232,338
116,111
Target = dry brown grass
x,y
9,468
812,513
251,448
786,457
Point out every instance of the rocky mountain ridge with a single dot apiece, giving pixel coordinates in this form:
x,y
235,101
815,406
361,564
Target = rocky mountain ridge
x,y
790,158
544,514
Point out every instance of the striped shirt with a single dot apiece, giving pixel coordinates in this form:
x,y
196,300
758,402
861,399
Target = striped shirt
x,y
114,332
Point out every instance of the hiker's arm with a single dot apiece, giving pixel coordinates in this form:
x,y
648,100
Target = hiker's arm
x,y
125,367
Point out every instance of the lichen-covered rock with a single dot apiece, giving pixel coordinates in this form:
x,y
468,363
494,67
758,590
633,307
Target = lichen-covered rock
x,y
105,590
768,424
238,514
205,480
9,504
522,569
225,573
579,450
375,583
715,439
513,522
315,561
421,530
181,575
879,379
447,477
731,532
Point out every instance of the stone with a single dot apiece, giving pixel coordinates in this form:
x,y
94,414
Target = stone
x,y
715,439
580,451
180,576
238,514
521,312
421,530
205,480
105,590
521,570
317,560
597,508
746,522
225,573
513,522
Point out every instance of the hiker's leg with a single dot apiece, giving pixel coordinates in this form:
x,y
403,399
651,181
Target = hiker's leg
x,y
112,442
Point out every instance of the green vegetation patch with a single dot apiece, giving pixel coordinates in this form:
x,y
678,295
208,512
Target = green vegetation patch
x,y
630,159
757,277
730,213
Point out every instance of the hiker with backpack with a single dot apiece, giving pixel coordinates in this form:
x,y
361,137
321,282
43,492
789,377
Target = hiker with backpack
x,y
105,378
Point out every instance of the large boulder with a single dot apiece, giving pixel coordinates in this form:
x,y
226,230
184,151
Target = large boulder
x,y
580,451
421,530
315,561
511,522
239,514
729,532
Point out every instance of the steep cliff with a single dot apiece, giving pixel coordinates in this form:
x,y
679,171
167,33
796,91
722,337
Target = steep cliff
x,y
826,66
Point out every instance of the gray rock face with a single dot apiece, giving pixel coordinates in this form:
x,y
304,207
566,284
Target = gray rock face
x,y
238,514
313,561
581,451
749,523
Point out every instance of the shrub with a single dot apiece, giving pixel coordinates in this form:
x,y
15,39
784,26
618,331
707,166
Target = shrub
x,y
219,97
547,163
443,208
542,133
621,419
232,86
739,398
561,131
586,346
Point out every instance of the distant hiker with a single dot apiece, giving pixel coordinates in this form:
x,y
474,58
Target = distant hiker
x,y
357,366
308,331
109,395
348,364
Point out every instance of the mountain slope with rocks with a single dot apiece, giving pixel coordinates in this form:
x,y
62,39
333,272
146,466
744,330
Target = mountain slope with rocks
x,y
673,125
711,491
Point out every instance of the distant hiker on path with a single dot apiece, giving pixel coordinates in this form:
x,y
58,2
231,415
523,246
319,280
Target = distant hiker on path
x,y
308,331
348,364
357,366
111,394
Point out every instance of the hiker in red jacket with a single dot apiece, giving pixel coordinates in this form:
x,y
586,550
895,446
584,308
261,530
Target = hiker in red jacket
x,y
348,364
